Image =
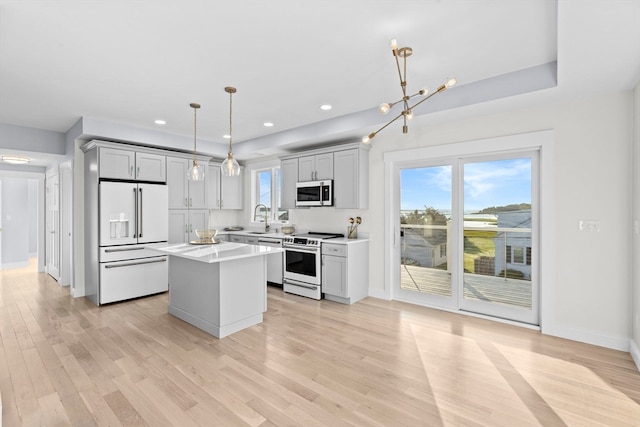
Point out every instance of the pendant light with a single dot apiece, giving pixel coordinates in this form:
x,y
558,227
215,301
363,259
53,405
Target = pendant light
x,y
230,166
195,172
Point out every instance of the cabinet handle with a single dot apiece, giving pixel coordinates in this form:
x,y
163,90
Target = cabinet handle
x,y
218,202
130,170
138,172
108,251
221,203
186,202
190,202
185,229
135,263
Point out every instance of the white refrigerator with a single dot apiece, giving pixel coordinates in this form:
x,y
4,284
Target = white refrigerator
x,y
132,217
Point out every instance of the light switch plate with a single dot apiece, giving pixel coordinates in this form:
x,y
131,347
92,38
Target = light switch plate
x,y
592,225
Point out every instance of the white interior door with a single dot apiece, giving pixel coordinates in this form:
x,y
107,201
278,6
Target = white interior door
x,y
66,223
52,201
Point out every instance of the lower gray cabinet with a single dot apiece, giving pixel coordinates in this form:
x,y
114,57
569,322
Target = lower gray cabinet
x,y
345,271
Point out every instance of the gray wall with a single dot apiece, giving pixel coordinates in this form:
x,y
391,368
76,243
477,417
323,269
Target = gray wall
x,y
15,222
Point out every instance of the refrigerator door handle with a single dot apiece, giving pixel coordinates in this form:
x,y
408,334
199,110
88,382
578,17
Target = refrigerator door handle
x,y
135,210
140,235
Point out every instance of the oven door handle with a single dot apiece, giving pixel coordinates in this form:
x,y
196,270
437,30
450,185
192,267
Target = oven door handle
x,y
302,249
300,284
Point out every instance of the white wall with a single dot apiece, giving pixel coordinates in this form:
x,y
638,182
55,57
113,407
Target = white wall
x,y
592,171
635,318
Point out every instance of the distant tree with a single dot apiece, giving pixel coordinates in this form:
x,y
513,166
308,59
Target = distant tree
x,y
430,215
434,216
506,208
414,217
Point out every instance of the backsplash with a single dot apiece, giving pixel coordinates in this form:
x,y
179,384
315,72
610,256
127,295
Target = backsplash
x,y
328,219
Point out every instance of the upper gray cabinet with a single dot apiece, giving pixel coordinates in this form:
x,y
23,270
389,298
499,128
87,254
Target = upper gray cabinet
x,y
184,194
116,163
225,192
351,179
315,168
347,165
288,180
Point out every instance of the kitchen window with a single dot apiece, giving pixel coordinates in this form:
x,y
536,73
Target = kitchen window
x,y
265,190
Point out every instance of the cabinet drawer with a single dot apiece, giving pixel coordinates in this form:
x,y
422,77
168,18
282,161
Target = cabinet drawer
x,y
134,278
125,252
333,249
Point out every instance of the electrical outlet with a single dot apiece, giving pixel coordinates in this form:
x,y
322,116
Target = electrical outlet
x,y
592,225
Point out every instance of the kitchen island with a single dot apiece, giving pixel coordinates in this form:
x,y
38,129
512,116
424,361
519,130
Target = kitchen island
x,y
219,288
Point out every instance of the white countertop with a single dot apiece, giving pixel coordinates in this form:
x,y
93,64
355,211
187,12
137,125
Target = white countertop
x,y
223,251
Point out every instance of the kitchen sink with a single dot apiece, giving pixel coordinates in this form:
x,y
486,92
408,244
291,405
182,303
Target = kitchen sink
x,y
257,232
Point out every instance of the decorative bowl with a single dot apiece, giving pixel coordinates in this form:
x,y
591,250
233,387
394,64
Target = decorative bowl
x,y
288,229
206,234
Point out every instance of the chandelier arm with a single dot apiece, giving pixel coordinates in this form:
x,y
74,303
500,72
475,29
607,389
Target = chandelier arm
x,y
392,120
422,100
403,84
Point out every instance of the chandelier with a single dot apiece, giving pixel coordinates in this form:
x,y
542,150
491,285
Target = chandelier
x,y
195,172
230,166
407,110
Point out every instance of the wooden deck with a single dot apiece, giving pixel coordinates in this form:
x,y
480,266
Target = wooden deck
x,y
487,288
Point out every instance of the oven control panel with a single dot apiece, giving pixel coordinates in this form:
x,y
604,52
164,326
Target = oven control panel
x,y
300,241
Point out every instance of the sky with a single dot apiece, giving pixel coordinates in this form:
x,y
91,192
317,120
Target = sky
x,y
486,184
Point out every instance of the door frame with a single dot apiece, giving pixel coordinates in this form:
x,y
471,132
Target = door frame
x,y
541,140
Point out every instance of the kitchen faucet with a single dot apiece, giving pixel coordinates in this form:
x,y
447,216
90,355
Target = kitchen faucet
x,y
266,213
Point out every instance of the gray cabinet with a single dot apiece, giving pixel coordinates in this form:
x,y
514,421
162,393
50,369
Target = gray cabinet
x,y
183,224
288,180
116,163
225,192
345,271
316,167
346,164
184,194
351,179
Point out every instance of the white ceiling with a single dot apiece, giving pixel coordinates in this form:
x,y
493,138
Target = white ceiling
x,y
132,62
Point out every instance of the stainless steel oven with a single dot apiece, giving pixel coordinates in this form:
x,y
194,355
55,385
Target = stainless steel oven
x,y
302,264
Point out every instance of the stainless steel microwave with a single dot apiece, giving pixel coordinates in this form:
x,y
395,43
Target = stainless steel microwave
x,y
314,193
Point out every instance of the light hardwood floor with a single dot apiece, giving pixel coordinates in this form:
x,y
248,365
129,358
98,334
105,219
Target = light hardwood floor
x,y
64,361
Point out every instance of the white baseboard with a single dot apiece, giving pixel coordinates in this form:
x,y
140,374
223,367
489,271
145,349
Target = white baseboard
x,y
589,337
635,353
9,265
379,293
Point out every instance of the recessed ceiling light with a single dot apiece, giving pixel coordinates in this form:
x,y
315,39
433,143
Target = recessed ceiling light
x,y
268,124
326,107
15,160
160,122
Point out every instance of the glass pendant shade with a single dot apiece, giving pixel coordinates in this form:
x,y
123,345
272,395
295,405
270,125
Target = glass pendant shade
x,y
230,166
195,172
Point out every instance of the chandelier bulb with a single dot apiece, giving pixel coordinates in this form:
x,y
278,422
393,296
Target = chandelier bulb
x,y
393,43
424,91
451,81
367,138
409,114
384,108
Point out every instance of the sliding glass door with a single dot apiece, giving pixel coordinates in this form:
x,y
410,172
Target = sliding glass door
x,y
425,235
468,237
